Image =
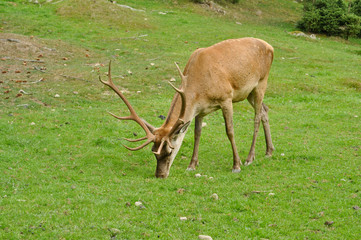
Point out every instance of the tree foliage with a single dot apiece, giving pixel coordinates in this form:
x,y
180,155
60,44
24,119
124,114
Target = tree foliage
x,y
332,17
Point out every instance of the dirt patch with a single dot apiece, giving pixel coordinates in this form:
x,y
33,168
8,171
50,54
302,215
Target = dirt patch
x,y
18,46
26,58
32,68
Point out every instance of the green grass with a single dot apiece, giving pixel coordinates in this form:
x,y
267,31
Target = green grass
x,y
68,177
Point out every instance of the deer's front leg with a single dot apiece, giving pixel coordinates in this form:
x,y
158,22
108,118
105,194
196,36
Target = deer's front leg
x,y
227,110
197,136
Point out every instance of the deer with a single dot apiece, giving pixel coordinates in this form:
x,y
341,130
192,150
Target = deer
x,y
214,78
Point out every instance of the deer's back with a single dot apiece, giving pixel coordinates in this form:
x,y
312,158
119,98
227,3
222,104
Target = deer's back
x,y
232,68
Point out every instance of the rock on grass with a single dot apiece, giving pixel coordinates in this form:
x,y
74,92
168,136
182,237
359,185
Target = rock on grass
x,y
204,237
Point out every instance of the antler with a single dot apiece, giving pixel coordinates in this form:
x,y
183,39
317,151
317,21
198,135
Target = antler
x,y
133,115
181,91
180,120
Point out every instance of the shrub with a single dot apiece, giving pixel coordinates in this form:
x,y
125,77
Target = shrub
x,y
352,25
355,7
331,17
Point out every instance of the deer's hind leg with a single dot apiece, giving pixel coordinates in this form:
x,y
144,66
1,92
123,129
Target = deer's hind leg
x,y
267,130
256,100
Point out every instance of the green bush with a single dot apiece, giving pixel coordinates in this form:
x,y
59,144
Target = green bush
x,y
331,17
356,7
352,25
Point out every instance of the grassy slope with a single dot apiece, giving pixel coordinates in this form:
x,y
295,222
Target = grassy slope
x,y
67,177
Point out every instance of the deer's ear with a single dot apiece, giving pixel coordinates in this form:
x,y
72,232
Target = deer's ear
x,y
183,128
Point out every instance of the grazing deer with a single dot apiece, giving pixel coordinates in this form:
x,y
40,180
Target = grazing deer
x,y
214,78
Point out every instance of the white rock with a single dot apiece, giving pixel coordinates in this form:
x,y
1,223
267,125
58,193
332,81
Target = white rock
x,y
204,124
138,204
32,124
183,218
198,175
204,237
271,194
56,95
172,79
215,196
210,178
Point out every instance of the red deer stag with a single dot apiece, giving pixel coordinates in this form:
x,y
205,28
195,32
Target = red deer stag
x,y
214,78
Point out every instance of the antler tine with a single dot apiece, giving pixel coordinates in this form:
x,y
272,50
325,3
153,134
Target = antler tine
x,y
180,71
133,115
135,140
160,147
181,90
110,81
140,147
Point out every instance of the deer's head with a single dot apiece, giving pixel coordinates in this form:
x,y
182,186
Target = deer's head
x,y
167,139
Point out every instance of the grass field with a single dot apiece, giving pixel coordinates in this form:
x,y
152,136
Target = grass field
x,y
65,175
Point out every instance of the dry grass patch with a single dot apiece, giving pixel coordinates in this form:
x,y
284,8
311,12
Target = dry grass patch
x,y
104,12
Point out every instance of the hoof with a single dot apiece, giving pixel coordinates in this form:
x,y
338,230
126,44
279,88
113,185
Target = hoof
x,y
247,163
190,169
236,170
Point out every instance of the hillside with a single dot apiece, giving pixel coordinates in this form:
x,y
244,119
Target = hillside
x,y
65,175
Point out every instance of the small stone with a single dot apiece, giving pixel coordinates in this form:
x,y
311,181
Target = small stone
x,y
114,231
328,223
75,92
210,178
73,187
271,194
128,204
215,196
32,123
180,191
204,124
130,72
356,208
204,237
183,218
57,95
138,204
152,64
172,79
139,92
198,175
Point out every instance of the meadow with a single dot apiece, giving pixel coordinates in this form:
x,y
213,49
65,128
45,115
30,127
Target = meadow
x,y
65,175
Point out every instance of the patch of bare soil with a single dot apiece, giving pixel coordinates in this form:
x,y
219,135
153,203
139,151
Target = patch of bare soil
x,y
27,62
